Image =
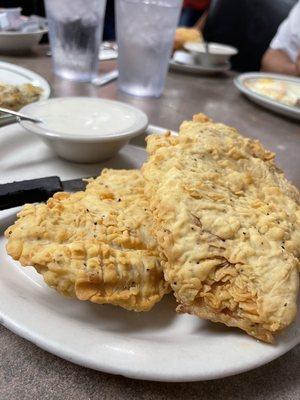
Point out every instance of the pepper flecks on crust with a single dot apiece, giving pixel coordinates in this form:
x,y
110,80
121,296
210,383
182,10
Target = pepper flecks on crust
x,y
95,245
227,221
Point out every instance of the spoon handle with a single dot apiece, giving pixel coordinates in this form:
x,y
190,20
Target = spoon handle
x,y
20,115
105,78
206,44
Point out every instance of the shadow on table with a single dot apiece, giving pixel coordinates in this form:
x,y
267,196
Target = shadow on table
x,y
118,320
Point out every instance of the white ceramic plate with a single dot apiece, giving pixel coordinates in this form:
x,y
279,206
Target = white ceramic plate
x,y
191,67
273,105
218,54
15,75
158,345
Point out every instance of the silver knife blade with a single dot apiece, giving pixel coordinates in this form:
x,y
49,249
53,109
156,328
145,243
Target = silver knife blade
x,y
74,185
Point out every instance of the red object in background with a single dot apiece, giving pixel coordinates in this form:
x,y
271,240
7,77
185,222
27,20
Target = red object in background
x,y
196,4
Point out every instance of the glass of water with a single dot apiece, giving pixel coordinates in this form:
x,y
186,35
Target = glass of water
x,y
75,30
145,34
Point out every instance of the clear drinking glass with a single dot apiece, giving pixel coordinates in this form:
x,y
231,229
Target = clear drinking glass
x,y
75,30
145,34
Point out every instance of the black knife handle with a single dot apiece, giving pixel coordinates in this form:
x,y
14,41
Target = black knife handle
x,y
34,190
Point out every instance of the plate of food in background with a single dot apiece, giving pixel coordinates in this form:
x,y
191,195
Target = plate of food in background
x,y
278,93
18,87
193,55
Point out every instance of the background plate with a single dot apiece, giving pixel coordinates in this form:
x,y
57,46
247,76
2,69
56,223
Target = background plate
x,y
198,69
158,345
15,75
273,105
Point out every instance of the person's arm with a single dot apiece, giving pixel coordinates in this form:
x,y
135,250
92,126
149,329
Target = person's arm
x,y
283,53
275,60
201,21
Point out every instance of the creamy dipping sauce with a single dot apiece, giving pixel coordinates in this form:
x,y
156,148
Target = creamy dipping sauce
x,y
85,117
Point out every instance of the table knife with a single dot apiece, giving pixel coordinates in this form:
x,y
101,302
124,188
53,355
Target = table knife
x,y
36,190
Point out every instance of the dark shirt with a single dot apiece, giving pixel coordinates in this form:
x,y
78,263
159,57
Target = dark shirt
x,y
29,7
248,25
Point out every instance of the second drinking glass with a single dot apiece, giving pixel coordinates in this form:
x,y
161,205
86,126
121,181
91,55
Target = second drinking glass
x,y
145,34
75,30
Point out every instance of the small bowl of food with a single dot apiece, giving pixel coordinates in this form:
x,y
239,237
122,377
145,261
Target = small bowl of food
x,y
210,54
19,33
84,129
20,42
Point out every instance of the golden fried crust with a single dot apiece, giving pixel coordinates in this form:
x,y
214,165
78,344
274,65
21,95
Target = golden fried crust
x,y
16,97
183,35
95,245
227,221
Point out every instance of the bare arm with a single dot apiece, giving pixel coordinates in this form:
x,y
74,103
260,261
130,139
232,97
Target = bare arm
x,y
201,21
279,62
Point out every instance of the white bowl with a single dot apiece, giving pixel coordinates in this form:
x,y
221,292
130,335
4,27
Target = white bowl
x,y
79,139
219,54
20,42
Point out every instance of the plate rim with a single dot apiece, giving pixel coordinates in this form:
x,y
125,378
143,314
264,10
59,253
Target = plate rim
x,y
198,69
76,357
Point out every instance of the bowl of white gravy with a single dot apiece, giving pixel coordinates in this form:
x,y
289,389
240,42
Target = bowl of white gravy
x,y
84,129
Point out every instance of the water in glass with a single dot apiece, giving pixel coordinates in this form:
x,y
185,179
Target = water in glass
x,y
75,29
145,32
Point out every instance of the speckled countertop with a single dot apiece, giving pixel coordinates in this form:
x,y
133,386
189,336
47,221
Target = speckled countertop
x,y
29,373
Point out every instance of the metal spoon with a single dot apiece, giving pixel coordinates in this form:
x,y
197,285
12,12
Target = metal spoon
x,y
206,45
19,115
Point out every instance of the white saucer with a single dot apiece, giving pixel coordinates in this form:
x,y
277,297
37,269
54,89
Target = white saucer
x,y
189,66
158,345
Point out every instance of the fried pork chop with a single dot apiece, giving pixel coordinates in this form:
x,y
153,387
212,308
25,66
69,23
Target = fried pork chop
x,y
95,245
227,223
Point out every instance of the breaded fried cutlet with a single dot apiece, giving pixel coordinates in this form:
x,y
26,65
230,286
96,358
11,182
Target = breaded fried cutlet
x,y
227,223
96,244
15,97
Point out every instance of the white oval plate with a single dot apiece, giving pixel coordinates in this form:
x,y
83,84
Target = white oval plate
x,y
273,105
158,345
15,75
195,68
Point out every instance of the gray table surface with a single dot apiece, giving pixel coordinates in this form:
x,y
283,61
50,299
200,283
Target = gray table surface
x,y
27,372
